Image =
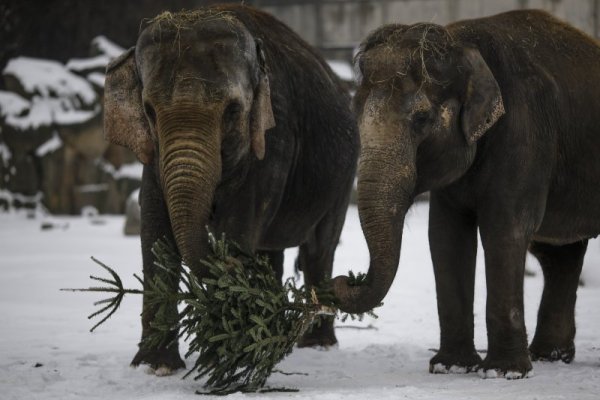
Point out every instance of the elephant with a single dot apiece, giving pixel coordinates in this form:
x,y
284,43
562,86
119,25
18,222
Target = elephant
x,y
243,128
498,118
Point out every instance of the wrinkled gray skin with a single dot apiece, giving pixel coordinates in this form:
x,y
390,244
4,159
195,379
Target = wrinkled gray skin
x,y
498,118
243,128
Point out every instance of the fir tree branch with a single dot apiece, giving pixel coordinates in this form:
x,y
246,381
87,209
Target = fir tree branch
x,y
112,303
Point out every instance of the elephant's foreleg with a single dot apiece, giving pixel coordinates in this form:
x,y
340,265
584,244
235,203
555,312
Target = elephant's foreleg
x,y
555,331
505,239
155,225
453,244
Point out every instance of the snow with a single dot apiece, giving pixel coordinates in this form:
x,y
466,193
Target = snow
x,y
45,111
134,196
133,170
107,47
47,353
92,188
126,171
50,78
10,197
454,369
50,146
342,69
5,154
97,79
58,96
12,104
39,114
75,117
85,64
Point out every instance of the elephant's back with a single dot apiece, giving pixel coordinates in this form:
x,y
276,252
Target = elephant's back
x,y
283,47
521,39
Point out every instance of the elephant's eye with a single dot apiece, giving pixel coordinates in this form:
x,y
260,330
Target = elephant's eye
x,y
231,115
150,114
419,119
232,110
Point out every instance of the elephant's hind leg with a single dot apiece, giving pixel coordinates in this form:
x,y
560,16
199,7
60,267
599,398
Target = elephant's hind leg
x,y
276,260
315,259
316,264
555,331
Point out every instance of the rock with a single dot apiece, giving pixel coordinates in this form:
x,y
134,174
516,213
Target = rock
x,y
84,66
57,180
123,178
52,147
24,178
25,124
83,130
5,156
102,45
31,77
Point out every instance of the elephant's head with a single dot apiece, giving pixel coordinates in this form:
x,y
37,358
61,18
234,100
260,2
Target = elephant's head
x,y
423,102
192,99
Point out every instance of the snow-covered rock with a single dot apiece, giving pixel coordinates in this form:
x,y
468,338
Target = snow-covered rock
x,y
26,124
126,171
35,77
5,154
12,104
50,146
9,200
50,120
97,79
29,124
81,65
38,114
104,46
93,67
75,117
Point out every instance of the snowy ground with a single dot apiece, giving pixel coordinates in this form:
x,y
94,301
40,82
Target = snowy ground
x,y
46,351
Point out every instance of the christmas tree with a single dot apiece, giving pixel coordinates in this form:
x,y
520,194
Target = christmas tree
x,y
239,320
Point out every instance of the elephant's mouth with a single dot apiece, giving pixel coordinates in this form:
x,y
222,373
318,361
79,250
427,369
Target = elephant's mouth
x,y
213,214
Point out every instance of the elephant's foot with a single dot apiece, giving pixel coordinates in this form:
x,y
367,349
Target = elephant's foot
x,y
454,362
551,352
509,368
319,335
162,362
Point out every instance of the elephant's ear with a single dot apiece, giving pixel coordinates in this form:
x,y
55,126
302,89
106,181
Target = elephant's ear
x,y
124,120
483,103
261,114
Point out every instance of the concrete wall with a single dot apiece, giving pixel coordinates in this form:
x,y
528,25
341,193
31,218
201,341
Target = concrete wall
x,y
337,26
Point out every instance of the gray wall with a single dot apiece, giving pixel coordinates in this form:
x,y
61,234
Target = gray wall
x,y
337,26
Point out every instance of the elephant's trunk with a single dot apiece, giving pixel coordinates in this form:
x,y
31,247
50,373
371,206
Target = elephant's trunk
x,y
386,181
190,165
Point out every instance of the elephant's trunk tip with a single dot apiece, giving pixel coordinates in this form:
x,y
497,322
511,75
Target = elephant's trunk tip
x,y
355,298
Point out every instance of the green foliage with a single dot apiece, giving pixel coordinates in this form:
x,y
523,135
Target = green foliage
x,y
238,319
